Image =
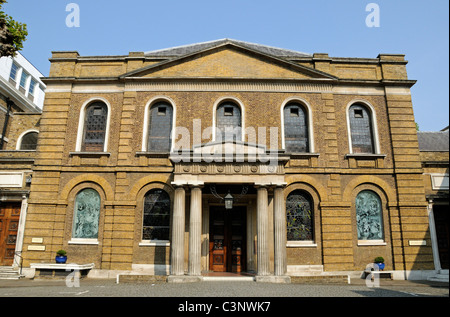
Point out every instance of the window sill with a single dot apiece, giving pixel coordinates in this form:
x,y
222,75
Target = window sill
x,y
154,243
365,156
84,241
371,243
301,244
153,154
90,154
365,160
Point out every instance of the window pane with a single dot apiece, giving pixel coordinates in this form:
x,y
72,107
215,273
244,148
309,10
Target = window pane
x,y
23,79
95,127
300,215
361,129
14,70
160,128
156,223
32,86
29,141
86,214
369,216
296,136
228,126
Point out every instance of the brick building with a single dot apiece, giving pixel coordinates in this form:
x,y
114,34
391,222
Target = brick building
x,y
140,156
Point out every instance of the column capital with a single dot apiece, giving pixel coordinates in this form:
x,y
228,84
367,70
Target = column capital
x,y
196,184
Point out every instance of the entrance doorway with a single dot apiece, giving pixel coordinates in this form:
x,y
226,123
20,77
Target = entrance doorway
x,y
227,241
9,224
441,220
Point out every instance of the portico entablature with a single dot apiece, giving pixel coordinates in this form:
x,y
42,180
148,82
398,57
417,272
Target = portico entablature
x,y
229,162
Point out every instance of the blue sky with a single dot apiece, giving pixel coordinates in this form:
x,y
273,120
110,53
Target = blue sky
x,y
419,29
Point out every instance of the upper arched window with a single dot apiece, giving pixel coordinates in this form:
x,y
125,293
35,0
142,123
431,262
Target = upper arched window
x,y
369,216
228,122
29,141
296,136
300,216
96,116
156,224
86,214
361,129
160,128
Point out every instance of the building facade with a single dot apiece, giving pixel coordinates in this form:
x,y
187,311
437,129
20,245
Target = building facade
x,y
228,156
434,148
21,100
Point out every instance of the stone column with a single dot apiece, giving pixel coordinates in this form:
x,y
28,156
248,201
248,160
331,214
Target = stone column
x,y
262,223
195,232
280,231
177,243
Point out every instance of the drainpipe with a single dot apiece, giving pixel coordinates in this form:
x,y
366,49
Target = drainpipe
x,y
9,104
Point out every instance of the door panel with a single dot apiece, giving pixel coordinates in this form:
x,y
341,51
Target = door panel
x,y
9,224
227,239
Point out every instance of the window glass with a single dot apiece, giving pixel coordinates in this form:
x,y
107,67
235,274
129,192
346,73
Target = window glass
x,y
29,141
296,136
300,215
156,223
361,129
369,218
14,69
86,215
229,124
95,127
160,128
23,79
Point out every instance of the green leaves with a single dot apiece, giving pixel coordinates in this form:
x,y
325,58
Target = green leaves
x,y
12,34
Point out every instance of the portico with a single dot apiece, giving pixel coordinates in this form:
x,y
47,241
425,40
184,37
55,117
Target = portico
x,y
250,165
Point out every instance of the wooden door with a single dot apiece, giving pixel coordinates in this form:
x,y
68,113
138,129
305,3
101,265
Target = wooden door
x,y
9,224
227,239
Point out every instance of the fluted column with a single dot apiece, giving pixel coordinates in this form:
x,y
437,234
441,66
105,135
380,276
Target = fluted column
x,y
195,231
262,222
280,231
177,243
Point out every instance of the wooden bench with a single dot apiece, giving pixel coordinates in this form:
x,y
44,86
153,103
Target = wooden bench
x,y
54,270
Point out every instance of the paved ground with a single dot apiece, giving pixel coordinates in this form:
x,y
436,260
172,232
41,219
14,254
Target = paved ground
x,y
109,288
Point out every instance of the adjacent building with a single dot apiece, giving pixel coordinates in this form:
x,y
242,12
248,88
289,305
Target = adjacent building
x,y
21,100
229,156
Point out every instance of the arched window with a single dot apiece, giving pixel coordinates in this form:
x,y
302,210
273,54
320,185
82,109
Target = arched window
x,y
296,136
29,141
300,216
361,129
228,122
160,128
96,117
86,214
369,216
156,225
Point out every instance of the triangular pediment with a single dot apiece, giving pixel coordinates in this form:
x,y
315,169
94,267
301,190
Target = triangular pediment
x,y
228,60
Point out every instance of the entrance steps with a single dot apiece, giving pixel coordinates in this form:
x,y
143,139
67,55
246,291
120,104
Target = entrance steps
x,y
9,273
441,276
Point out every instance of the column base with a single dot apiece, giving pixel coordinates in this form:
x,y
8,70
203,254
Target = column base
x,y
184,279
273,279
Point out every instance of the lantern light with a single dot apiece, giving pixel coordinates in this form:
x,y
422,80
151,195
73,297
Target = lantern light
x,y
228,201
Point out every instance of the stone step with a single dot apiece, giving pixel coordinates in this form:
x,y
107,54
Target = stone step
x,y
9,273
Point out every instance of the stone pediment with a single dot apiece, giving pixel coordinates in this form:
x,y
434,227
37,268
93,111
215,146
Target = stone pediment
x,y
228,60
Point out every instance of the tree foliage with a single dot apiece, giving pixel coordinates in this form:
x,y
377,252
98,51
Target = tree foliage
x,y
12,34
